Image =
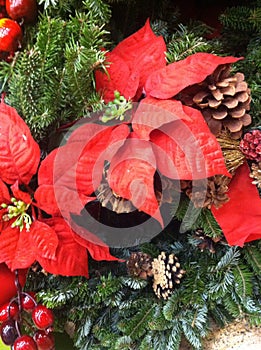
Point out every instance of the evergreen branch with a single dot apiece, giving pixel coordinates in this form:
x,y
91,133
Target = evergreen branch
x,y
184,43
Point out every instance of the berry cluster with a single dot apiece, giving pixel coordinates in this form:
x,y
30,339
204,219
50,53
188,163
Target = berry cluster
x,y
11,319
13,14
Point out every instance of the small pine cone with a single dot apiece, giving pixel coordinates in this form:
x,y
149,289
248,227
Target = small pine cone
x,y
140,265
205,242
112,201
167,272
224,101
213,192
250,145
256,174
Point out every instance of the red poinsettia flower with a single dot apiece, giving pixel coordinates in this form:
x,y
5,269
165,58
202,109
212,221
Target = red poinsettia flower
x,y
25,236
167,136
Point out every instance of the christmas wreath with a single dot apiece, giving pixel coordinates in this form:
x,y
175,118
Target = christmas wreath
x,y
162,182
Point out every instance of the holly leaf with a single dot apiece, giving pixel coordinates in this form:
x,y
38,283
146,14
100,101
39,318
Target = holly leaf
x,y
240,217
170,80
131,176
19,153
187,150
70,257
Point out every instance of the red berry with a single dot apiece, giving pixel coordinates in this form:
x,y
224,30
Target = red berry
x,y
28,301
8,332
44,341
10,34
25,342
42,317
22,9
8,311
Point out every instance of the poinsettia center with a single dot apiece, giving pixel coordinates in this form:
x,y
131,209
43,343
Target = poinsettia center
x,y
116,109
17,210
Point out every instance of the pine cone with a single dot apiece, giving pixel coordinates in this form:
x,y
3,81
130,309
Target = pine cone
x,y
256,174
111,200
167,272
214,192
250,145
140,265
224,101
204,241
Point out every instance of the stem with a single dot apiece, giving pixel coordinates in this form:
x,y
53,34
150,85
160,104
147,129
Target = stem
x,y
19,296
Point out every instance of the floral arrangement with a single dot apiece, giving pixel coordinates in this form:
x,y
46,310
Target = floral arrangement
x,y
166,130
163,134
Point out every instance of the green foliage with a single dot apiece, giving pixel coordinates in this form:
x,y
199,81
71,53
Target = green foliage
x,y
51,81
184,43
193,218
252,18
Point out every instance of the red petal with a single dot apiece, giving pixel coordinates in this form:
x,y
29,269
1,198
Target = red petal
x,y
152,114
45,172
4,193
132,61
18,194
19,153
240,217
187,149
143,51
119,77
44,240
16,249
60,200
98,252
100,148
168,81
131,176
71,257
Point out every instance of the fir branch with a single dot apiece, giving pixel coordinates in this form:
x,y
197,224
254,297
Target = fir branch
x,y
184,43
241,18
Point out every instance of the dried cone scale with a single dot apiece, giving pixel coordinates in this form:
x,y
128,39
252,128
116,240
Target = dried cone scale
x,y
224,100
139,265
166,273
207,192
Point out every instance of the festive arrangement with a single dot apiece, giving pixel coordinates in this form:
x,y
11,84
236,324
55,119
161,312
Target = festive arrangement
x,y
157,171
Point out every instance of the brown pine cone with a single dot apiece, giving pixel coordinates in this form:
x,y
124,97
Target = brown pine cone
x,y
205,242
250,145
111,200
223,99
140,265
214,192
166,273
